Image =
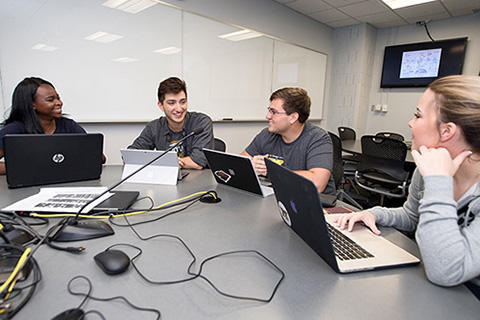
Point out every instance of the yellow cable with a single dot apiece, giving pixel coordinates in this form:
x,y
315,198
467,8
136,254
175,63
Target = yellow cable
x,y
10,289
20,263
58,215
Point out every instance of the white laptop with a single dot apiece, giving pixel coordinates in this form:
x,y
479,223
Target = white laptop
x,y
236,171
163,171
301,209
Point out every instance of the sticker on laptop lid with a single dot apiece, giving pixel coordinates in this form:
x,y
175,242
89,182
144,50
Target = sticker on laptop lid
x,y
284,213
222,175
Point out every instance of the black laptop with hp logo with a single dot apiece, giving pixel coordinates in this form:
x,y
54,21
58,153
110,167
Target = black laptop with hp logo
x,y
37,159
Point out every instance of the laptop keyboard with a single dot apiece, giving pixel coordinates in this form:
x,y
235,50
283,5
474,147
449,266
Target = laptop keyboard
x,y
344,247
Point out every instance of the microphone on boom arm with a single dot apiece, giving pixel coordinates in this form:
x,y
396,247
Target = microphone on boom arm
x,y
75,229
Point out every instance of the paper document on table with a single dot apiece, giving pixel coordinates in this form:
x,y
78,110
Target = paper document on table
x,y
60,200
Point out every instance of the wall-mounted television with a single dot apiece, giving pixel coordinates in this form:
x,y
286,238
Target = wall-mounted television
x,y
418,64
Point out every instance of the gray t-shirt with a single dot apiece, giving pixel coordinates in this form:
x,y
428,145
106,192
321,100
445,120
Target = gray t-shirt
x,y
157,135
312,149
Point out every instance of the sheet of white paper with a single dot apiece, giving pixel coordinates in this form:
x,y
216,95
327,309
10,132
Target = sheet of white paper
x,y
60,200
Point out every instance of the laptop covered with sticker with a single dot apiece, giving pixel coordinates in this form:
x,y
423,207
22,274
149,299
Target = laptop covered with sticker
x,y
235,171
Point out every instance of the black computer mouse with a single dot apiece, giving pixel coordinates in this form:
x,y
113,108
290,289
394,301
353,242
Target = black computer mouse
x,y
70,314
112,261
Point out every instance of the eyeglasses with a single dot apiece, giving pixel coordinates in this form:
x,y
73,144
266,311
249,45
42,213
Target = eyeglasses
x,y
274,112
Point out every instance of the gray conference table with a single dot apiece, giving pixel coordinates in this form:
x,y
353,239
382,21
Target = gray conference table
x,y
310,290
355,146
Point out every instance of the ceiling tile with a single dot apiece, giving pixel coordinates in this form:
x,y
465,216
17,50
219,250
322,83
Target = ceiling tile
x,y
421,9
343,23
364,8
434,16
382,17
453,5
309,6
341,3
461,12
371,11
329,15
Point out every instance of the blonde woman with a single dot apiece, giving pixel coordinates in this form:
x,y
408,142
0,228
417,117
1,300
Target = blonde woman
x,y
444,196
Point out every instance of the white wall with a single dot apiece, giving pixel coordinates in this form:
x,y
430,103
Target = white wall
x,y
265,16
353,48
402,102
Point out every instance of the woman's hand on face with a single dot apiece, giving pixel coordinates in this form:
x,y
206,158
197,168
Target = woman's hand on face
x,y
350,219
437,161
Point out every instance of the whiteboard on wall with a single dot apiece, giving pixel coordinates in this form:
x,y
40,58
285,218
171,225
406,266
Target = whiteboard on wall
x,y
93,82
226,79
299,67
117,81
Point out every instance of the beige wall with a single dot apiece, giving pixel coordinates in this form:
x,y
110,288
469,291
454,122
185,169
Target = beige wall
x,y
402,102
357,69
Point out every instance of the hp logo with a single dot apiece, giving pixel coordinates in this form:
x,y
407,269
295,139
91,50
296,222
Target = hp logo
x,y
58,158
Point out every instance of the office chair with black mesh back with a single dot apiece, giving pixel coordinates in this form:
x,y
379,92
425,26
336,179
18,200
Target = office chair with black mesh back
x,y
219,145
339,173
346,133
381,168
391,135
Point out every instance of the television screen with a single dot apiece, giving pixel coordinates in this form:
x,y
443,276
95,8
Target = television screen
x,y
418,64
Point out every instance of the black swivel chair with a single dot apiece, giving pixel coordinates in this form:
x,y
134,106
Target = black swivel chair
x,y
381,168
346,133
219,145
339,173
391,135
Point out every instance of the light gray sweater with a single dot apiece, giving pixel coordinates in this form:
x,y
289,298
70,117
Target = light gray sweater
x,y
449,242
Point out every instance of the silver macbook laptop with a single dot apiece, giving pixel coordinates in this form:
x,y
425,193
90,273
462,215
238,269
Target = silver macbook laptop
x,y
37,159
344,251
235,171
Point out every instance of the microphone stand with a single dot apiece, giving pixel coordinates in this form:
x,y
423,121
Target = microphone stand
x,y
74,229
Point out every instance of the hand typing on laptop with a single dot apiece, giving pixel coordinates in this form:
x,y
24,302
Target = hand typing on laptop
x,y
365,216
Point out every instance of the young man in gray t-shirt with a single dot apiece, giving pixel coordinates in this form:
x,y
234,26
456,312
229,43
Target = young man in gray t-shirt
x,y
163,132
291,142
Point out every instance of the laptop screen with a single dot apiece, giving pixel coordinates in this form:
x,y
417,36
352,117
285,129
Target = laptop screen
x,y
37,159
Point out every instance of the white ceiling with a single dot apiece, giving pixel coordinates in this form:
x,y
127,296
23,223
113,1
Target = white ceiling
x,y
340,13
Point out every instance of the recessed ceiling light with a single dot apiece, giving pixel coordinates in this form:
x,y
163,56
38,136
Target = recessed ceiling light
x,y
44,47
130,6
103,37
240,35
168,50
125,59
396,4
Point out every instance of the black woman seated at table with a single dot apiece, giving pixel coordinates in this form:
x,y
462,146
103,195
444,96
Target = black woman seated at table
x,y
36,108
443,206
